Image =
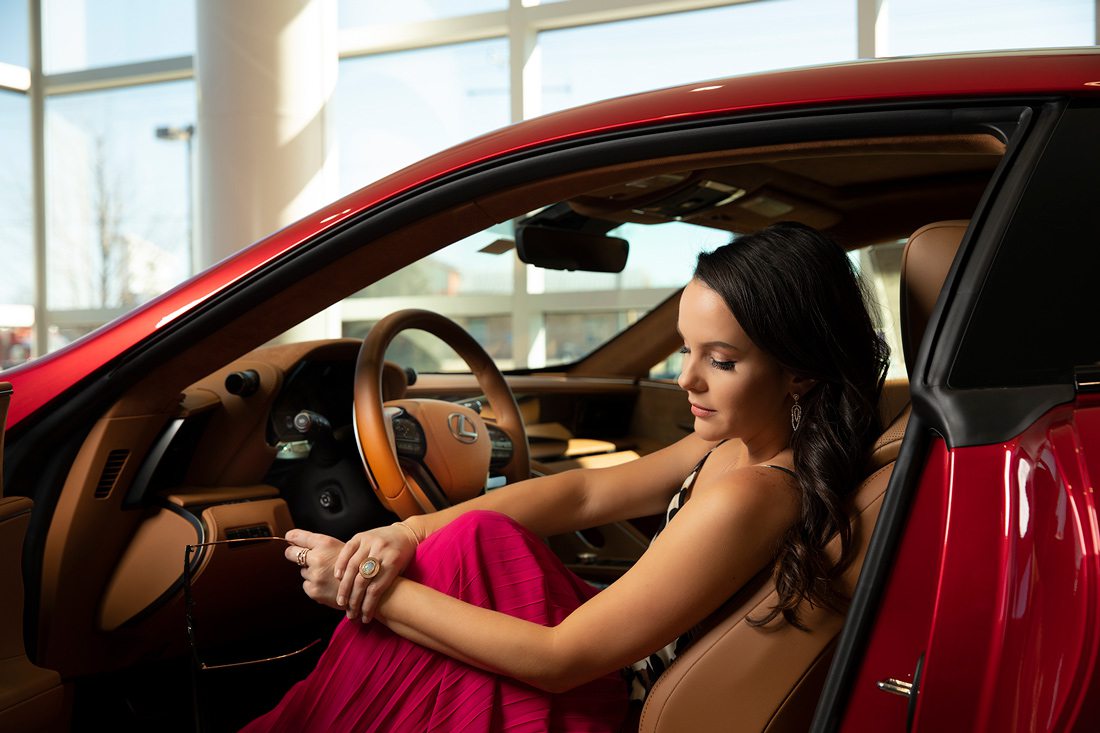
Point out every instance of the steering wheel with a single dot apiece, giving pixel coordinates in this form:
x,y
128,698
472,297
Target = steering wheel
x,y
422,455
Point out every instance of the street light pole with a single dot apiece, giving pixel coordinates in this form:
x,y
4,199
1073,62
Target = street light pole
x,y
186,134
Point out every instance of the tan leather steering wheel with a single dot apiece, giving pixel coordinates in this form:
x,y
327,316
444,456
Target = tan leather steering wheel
x,y
422,455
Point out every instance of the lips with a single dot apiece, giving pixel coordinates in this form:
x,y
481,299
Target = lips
x,y
701,411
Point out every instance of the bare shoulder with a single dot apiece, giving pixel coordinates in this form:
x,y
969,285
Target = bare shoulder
x,y
667,467
768,495
641,487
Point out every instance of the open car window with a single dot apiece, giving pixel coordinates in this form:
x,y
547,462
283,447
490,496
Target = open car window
x,y
528,317
879,265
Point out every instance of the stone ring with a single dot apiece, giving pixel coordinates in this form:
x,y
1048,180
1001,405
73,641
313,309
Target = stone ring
x,y
302,557
370,567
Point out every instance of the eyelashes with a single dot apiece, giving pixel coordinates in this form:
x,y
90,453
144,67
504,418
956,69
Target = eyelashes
x,y
724,366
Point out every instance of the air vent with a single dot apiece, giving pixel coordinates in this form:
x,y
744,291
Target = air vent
x,y
116,460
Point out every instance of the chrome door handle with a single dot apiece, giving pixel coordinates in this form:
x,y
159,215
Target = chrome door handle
x,y
908,690
896,687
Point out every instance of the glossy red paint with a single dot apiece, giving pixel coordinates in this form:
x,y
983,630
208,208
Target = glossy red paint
x,y
908,603
1011,627
1053,72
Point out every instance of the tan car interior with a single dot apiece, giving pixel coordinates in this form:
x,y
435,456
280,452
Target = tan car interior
x,y
127,606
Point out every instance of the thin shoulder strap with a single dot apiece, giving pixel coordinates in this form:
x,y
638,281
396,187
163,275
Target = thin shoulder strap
x,y
780,468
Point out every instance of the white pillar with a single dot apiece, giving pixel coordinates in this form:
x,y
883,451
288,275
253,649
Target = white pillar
x,y
872,28
266,70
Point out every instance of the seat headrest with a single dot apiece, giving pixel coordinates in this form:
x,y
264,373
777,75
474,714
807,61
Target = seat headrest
x,y
924,265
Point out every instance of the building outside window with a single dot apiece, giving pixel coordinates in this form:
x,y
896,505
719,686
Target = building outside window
x,y
414,78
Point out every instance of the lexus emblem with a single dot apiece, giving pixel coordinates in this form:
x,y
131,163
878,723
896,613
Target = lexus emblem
x,y
462,427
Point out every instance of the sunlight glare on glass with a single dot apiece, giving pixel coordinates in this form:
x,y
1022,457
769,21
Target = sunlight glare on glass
x,y
394,109
13,32
588,63
84,34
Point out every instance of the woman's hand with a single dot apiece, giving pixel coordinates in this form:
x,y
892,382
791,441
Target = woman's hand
x,y
393,547
318,553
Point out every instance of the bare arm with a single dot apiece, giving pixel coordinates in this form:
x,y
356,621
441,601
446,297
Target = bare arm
x,y
549,505
573,500
720,539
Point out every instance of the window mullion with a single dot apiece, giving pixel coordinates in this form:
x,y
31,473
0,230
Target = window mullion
x,y
38,177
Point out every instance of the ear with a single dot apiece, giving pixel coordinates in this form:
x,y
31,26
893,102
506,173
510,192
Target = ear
x,y
801,385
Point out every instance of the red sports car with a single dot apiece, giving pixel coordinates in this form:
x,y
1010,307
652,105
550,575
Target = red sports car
x,y
961,186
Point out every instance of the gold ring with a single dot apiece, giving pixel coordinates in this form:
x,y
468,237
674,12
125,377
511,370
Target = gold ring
x,y
302,556
370,567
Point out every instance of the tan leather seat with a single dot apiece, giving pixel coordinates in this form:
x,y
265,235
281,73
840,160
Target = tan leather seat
x,y
31,698
740,678
924,264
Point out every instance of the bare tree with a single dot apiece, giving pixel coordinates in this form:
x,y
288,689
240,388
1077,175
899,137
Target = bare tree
x,y
111,245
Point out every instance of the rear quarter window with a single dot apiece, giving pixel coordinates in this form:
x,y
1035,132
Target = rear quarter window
x,y
1036,316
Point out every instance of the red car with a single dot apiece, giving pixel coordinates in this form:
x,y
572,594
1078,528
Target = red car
x,y
976,594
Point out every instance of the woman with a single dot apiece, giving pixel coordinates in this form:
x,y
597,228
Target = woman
x,y
463,620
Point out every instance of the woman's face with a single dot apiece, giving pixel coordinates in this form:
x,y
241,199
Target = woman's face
x,y
735,389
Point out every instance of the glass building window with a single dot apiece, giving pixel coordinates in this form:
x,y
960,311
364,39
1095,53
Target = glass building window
x,y
594,62
427,354
396,108
879,266
16,226
14,32
358,13
83,34
571,336
468,266
938,26
117,201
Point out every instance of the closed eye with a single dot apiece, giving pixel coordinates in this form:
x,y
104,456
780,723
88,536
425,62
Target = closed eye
x,y
723,365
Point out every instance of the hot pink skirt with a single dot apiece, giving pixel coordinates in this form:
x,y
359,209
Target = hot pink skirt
x,y
370,679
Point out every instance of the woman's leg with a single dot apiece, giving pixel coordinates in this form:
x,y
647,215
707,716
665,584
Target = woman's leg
x,y
371,679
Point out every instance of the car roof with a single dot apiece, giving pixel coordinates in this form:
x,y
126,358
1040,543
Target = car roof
x,y
1063,72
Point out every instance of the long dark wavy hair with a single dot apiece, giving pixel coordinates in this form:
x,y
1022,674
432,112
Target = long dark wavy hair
x,y
795,293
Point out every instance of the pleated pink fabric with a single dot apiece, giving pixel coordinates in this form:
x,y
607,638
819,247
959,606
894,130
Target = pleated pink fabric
x,y
370,679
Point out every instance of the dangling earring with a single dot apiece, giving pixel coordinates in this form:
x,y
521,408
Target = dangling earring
x,y
796,414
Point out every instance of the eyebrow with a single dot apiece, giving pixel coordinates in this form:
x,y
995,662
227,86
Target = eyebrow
x,y
719,344
723,345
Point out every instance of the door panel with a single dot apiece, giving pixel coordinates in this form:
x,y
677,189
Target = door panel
x,y
1006,616
31,698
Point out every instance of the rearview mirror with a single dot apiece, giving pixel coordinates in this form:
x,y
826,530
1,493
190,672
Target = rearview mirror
x,y
563,249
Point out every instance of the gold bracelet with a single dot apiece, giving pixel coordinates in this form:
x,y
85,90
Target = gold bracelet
x,y
410,530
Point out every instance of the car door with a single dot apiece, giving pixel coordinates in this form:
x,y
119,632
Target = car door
x,y
31,698
979,606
